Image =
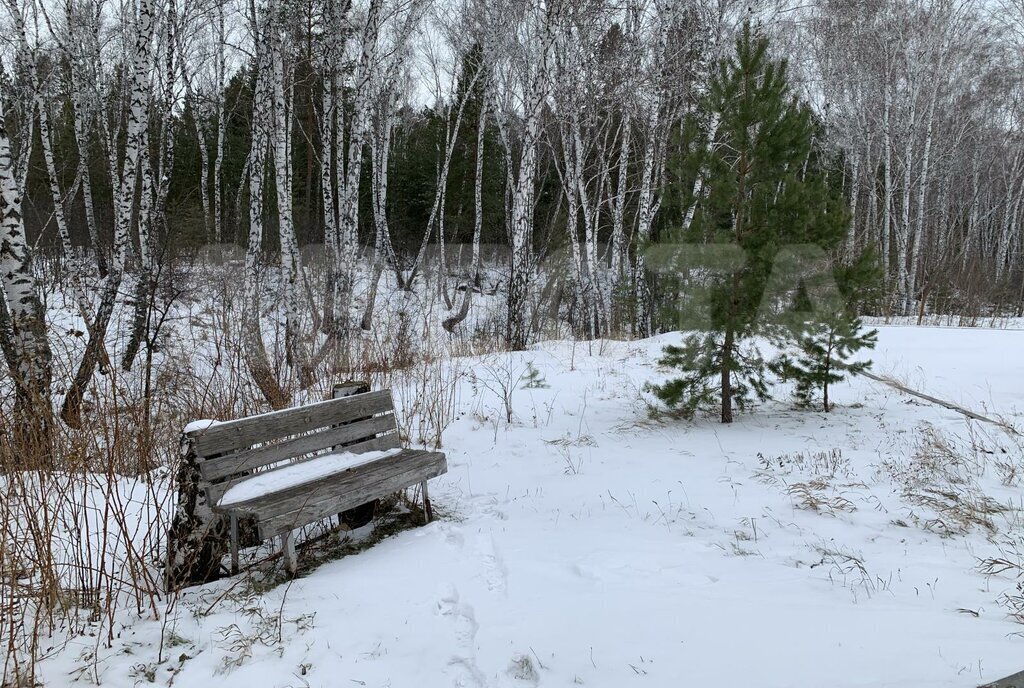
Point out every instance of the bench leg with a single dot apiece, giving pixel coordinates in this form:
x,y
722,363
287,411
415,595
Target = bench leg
x,y
234,545
428,513
288,549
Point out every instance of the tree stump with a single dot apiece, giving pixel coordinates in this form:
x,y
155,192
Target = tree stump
x,y
198,538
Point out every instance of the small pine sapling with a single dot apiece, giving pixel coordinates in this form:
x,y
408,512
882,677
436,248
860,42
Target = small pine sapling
x,y
826,345
699,387
824,356
532,378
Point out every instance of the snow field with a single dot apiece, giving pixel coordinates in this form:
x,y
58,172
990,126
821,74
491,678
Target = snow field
x,y
587,543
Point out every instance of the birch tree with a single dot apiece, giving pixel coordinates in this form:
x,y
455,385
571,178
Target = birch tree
x,y
531,33
254,349
291,261
389,80
22,318
57,195
349,164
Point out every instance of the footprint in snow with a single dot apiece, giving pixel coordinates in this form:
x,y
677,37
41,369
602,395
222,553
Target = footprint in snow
x,y
495,571
453,537
467,673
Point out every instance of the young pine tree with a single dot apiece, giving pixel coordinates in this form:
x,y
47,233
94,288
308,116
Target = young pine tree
x,y
764,188
826,342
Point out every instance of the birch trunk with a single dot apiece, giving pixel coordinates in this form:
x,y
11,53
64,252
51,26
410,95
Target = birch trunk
x,y
291,263
437,208
648,208
523,192
152,205
851,239
348,197
698,184
591,288
218,165
381,128
145,286
1005,238
82,143
75,267
380,157
478,189
903,238
331,142
254,350
886,228
24,328
619,202
456,318
917,237
204,172
973,218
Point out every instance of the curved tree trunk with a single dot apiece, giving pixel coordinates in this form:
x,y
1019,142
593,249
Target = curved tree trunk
x,y
125,202
455,319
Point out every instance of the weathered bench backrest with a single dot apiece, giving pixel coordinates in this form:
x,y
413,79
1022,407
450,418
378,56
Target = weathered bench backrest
x,y
359,423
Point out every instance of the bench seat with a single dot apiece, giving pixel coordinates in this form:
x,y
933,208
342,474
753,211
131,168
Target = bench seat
x,y
282,509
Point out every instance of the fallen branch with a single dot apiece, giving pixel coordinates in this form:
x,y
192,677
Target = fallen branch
x,y
935,400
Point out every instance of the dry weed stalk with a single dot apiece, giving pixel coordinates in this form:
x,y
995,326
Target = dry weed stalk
x,y
1009,564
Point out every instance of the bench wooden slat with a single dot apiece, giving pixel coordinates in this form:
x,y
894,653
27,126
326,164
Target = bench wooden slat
x,y
392,440
361,489
245,432
288,499
214,491
249,459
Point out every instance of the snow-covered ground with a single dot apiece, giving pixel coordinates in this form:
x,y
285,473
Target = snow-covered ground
x,y
587,543
975,367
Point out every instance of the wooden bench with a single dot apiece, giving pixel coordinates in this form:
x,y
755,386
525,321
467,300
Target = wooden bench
x,y
290,468
1015,681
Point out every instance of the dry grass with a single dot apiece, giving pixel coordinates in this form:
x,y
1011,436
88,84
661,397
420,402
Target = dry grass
x,y
847,568
1009,566
941,479
820,496
825,480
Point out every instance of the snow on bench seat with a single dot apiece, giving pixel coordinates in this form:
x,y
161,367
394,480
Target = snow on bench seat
x,y
293,475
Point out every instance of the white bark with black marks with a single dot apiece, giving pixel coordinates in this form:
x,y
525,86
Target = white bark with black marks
x,y
23,329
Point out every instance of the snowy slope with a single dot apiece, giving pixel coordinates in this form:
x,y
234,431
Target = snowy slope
x,y
588,544
977,367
